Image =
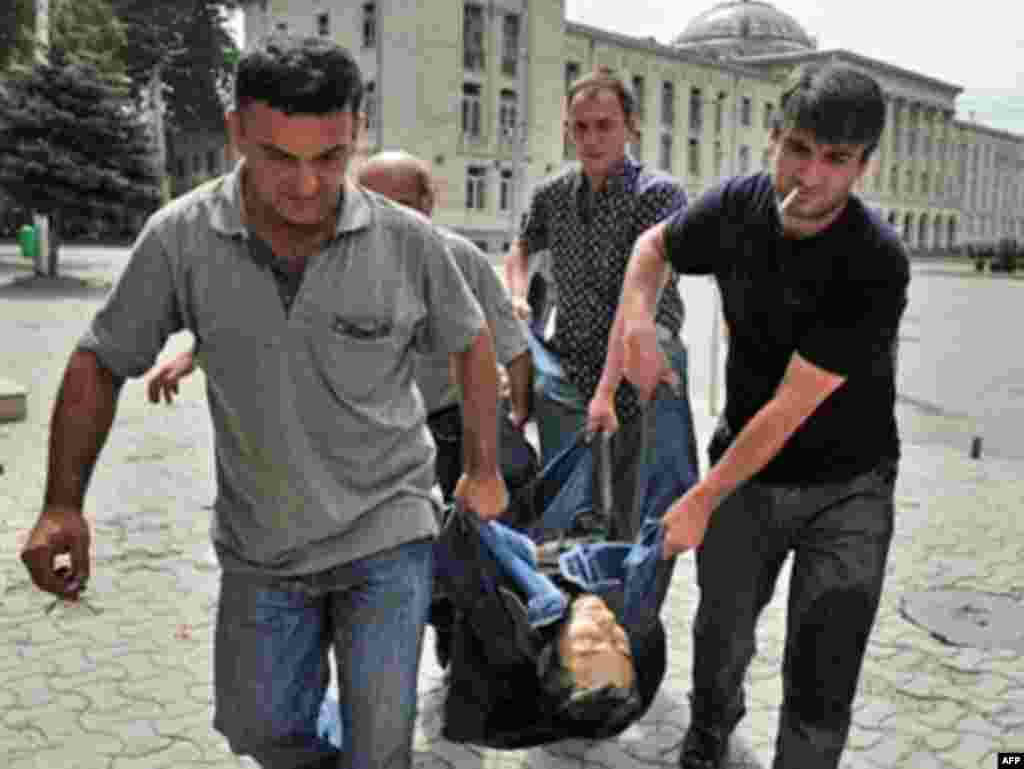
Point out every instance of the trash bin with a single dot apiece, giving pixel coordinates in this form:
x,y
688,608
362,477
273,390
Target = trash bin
x,y
28,241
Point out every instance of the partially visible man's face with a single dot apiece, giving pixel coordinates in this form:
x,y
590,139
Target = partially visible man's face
x,y
397,185
594,647
294,164
597,126
825,174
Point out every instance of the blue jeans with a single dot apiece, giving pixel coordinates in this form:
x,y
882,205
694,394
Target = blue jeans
x,y
667,470
517,556
559,409
637,569
271,665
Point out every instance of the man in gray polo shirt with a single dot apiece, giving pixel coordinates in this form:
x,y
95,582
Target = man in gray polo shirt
x,y
309,299
406,179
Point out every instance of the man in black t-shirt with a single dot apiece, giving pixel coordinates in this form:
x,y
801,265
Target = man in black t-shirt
x,y
804,460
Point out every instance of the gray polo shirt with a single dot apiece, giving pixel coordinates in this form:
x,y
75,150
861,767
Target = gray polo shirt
x,y
322,451
433,371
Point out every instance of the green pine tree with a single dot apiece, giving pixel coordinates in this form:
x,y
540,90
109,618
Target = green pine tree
x,y
87,31
190,43
73,147
17,32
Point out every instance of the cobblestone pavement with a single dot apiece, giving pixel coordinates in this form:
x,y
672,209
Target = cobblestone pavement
x,y
123,680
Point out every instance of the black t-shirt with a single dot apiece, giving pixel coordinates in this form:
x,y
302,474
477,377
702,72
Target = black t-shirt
x,y
835,298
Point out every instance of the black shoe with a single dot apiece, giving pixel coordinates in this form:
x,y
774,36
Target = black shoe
x,y
703,748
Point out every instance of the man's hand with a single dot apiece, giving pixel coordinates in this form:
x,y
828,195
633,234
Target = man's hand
x,y
59,531
518,419
601,416
643,363
521,308
165,378
485,496
686,521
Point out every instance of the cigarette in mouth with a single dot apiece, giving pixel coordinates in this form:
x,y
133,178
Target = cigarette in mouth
x,y
788,199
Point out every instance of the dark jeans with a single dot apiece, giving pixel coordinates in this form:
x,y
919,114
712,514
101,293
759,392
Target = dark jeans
x,y
671,456
839,534
271,665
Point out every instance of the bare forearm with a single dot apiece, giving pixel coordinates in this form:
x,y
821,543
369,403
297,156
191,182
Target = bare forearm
x,y
82,416
520,381
803,389
757,444
645,277
516,271
611,375
477,372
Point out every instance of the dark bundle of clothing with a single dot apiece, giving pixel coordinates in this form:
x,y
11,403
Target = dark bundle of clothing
x,y
506,687
500,607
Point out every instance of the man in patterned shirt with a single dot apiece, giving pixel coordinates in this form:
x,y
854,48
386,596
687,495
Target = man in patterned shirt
x,y
588,217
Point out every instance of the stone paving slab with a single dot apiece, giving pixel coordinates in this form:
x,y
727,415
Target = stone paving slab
x,y
123,680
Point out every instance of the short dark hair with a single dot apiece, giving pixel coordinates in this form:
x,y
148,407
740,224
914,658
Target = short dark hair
x,y
606,710
298,75
838,104
605,78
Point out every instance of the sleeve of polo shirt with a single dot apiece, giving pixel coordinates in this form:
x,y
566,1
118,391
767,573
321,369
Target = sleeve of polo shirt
x,y
129,331
533,230
509,338
454,317
693,234
860,334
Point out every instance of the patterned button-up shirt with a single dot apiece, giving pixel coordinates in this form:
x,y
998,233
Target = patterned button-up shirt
x,y
591,236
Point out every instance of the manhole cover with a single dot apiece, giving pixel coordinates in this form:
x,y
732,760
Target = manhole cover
x,y
968,617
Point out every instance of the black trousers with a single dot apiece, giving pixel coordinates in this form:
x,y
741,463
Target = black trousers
x,y
519,461
519,464
839,535
446,427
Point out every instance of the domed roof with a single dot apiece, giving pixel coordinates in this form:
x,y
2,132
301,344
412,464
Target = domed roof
x,y
746,27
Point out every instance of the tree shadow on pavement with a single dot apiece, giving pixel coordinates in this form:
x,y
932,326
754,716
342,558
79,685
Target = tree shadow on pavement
x,y
31,287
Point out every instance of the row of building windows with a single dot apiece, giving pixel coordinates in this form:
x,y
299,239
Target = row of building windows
x,y
322,25
666,153
478,185
904,130
906,142
474,48
209,163
694,168
924,182
745,107
472,112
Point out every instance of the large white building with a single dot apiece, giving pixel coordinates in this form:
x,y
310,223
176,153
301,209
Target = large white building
x,y
477,88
